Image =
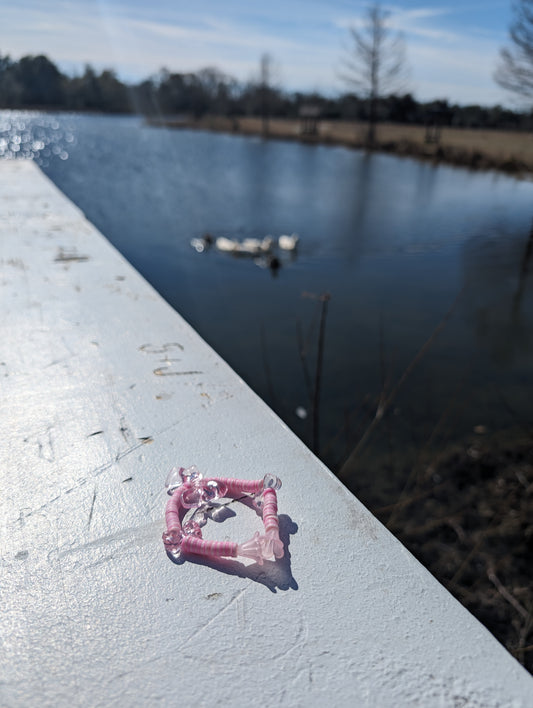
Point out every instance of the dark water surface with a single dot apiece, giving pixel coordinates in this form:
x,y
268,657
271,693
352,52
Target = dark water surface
x,y
397,243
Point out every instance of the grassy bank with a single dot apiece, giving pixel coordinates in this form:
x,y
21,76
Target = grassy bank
x,y
508,151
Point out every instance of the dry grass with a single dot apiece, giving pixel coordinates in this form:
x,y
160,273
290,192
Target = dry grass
x,y
466,514
509,151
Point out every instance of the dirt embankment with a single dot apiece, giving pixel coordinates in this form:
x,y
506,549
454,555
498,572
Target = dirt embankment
x,y
507,151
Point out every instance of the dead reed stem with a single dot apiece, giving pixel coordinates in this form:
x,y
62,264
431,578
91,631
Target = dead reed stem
x,y
394,392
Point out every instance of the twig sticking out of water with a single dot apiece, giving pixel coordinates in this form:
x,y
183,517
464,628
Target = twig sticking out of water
x,y
385,404
324,298
302,351
314,388
524,269
266,366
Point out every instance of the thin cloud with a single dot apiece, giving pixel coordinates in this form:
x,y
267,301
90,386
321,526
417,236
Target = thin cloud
x,y
409,22
215,33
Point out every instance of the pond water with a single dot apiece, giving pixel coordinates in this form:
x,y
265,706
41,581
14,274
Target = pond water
x,y
402,247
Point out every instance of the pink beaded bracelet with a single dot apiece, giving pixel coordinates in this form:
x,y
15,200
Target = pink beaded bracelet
x,y
188,489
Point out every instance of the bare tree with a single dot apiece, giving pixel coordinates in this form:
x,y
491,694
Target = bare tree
x,y
515,70
375,62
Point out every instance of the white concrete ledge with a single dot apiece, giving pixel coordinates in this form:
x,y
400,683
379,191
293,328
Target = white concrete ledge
x,y
103,388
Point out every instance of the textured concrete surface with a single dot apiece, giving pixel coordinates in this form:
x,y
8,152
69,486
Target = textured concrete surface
x,y
103,388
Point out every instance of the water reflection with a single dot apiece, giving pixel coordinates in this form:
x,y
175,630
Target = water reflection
x,y
500,294
426,180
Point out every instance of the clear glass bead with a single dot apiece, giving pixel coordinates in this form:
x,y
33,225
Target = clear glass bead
x,y
174,480
213,490
191,474
270,481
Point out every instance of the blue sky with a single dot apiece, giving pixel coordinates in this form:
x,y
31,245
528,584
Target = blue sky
x,y
452,46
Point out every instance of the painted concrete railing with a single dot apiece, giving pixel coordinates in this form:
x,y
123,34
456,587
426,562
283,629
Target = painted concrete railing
x,y
104,388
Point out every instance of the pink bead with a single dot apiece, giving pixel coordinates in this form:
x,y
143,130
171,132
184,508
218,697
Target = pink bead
x,y
252,549
173,541
172,516
191,497
261,547
210,549
237,487
270,510
276,544
192,528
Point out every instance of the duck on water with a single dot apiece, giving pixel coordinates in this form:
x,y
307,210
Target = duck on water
x,y
246,247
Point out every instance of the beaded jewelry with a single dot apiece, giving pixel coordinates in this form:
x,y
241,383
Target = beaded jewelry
x,y
188,489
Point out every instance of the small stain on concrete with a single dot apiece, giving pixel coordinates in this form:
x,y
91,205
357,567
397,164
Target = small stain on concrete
x,y
70,257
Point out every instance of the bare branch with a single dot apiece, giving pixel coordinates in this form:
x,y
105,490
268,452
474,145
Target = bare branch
x,y
515,69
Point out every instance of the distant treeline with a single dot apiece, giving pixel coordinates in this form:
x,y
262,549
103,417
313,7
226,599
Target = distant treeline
x,y
36,82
